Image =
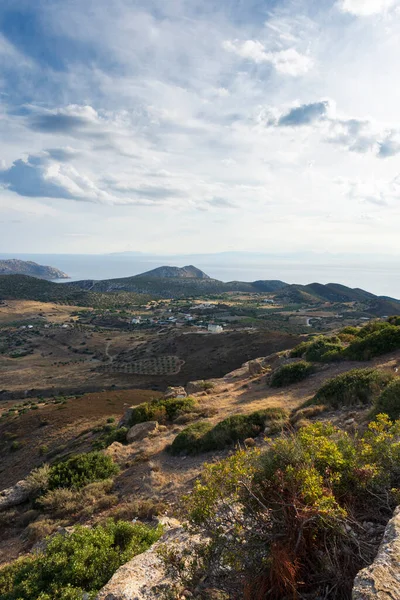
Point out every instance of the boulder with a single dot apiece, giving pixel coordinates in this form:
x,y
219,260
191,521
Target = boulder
x,y
145,576
140,431
17,494
255,368
175,392
194,387
381,580
127,418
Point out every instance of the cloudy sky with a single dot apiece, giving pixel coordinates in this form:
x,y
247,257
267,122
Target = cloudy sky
x,y
200,126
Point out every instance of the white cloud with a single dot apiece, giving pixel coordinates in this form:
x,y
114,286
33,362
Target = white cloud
x,y
365,8
287,62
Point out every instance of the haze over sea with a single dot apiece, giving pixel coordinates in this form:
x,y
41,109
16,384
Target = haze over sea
x,y
378,275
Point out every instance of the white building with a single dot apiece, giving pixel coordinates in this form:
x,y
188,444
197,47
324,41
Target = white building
x,y
212,328
136,321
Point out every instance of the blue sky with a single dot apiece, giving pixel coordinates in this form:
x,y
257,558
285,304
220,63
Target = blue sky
x,y
200,126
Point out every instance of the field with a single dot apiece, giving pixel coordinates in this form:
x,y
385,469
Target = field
x,y
46,350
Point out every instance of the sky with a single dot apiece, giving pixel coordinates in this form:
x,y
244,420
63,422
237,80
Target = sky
x,y
184,126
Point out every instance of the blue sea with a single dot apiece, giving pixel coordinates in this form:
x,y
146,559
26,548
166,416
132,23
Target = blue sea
x,y
381,276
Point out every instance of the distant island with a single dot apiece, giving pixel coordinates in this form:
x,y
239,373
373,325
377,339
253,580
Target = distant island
x,y
14,266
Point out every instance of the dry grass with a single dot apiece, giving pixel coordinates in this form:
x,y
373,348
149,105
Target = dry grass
x,y
62,502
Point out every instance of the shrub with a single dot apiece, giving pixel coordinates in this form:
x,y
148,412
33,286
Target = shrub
x,y
389,400
74,565
161,410
296,530
317,350
38,480
299,350
78,471
382,341
372,327
202,437
190,439
110,434
291,373
358,386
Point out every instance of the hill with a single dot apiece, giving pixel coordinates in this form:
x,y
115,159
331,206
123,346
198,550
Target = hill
x,y
14,266
177,282
177,272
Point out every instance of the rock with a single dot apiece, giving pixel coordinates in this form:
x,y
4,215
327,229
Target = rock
x,y
381,580
17,494
145,576
140,431
127,418
249,442
255,368
194,387
175,392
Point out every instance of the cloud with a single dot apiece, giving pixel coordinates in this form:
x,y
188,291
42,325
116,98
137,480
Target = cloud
x,y
41,177
66,120
288,62
304,114
221,203
354,134
388,147
365,8
63,154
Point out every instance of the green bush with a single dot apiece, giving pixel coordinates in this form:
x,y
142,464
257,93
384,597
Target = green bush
x,y
299,350
162,410
202,437
78,471
389,400
190,439
77,564
110,433
394,320
317,351
291,374
382,341
372,327
297,529
358,386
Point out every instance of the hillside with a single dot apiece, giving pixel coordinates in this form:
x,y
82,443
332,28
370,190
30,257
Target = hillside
x,y
306,487
22,267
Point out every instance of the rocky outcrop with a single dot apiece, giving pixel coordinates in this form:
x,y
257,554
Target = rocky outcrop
x,y
140,431
255,368
175,392
194,387
145,576
381,580
17,494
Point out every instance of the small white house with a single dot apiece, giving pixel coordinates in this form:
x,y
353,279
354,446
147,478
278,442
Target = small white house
x,y
136,321
212,328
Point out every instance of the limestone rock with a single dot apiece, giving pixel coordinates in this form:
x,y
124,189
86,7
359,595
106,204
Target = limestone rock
x,y
381,580
175,392
255,368
144,577
140,431
15,495
194,387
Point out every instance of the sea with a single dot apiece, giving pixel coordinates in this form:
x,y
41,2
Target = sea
x,y
380,276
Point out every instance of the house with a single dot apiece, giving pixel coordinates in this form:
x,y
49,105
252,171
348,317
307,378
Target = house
x,y
268,301
212,328
136,321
